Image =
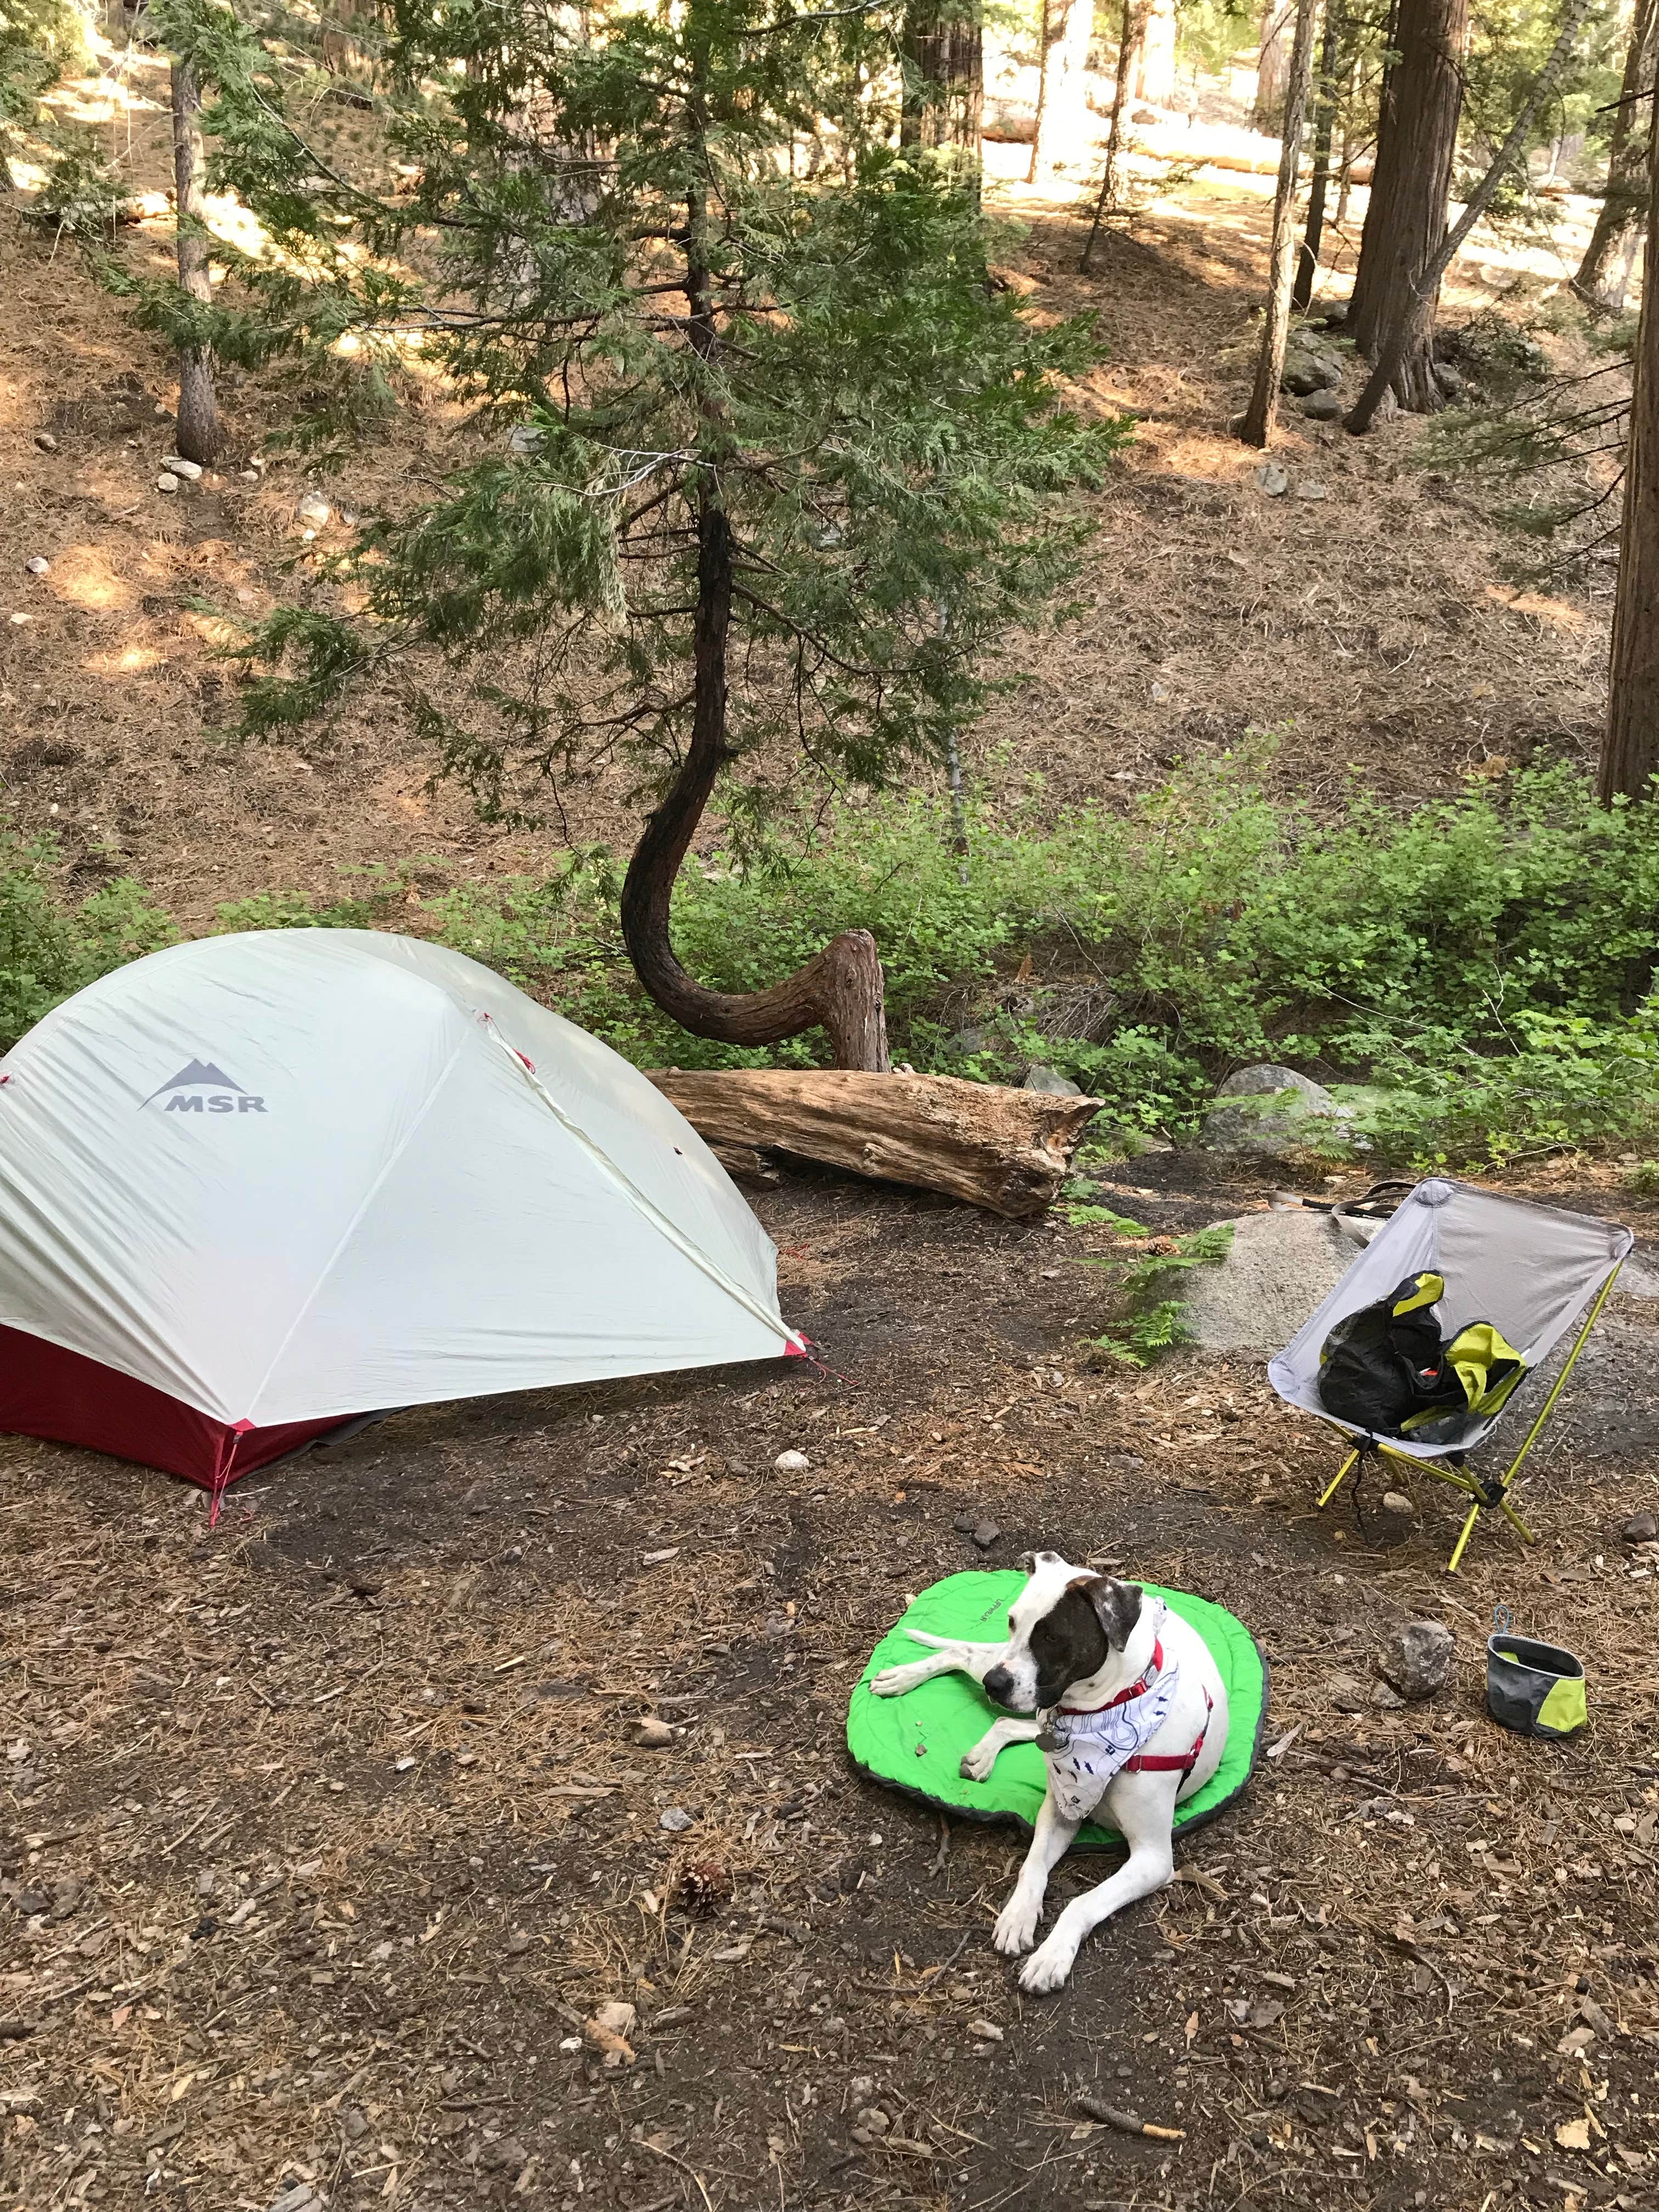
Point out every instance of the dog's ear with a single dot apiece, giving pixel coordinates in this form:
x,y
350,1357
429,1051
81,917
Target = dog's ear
x,y
1026,1563
1116,1607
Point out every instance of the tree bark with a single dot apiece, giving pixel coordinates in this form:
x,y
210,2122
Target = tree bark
x,y
1062,114
198,435
1006,1151
1130,32
944,97
1273,67
1155,66
1629,750
1409,334
1257,425
1604,272
1417,145
1307,271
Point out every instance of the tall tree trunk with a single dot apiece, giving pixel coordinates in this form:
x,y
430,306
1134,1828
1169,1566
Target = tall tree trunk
x,y
1307,271
1417,145
1131,27
199,436
1062,114
1410,334
839,989
1629,750
944,98
1257,425
1604,272
1273,67
1155,70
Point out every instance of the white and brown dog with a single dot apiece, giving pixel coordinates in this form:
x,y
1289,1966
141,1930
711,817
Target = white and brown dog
x,y
1131,1713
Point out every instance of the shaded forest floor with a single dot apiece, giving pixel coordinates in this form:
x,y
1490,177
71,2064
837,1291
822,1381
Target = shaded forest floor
x,y
323,1835
326,1833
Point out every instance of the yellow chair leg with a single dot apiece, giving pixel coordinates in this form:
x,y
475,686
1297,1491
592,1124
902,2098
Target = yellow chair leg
x,y
1514,1518
1335,1484
1466,1532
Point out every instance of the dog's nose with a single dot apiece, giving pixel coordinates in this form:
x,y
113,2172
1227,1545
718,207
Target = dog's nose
x,y
998,1684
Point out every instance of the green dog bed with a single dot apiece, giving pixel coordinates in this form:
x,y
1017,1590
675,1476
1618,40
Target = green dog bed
x,y
915,1743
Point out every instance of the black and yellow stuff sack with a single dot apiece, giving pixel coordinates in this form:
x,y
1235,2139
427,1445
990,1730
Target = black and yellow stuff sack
x,y
1387,1370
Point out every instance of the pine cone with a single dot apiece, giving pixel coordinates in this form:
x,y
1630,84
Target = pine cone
x,y
704,1885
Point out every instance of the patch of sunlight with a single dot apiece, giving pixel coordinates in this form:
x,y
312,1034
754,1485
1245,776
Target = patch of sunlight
x,y
84,577
131,660
215,630
1558,613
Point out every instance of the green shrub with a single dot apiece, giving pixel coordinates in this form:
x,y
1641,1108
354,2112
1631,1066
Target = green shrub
x,y
1480,970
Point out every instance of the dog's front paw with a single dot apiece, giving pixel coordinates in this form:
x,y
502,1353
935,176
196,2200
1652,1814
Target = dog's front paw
x,y
894,1681
1016,1924
1047,1968
976,1764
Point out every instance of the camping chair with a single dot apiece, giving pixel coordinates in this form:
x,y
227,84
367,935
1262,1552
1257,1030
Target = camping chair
x,y
1530,1269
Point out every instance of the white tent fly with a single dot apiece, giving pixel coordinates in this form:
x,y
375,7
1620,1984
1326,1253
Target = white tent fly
x,y
255,1186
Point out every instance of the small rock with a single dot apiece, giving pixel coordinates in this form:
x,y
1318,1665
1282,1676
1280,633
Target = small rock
x,y
1395,1518
354,2123
38,565
1347,1695
1309,490
791,1462
507,2154
46,441
965,1523
1449,380
301,2197
654,1734
1640,1528
524,439
676,1820
189,471
1050,1082
1272,480
1385,1700
1334,316
518,1942
986,1534
987,2030
314,509
968,1042
167,481
1416,1660
248,477
1324,407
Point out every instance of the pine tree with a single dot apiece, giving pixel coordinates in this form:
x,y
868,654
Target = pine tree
x,y
1604,273
198,434
1405,221
781,460
1630,749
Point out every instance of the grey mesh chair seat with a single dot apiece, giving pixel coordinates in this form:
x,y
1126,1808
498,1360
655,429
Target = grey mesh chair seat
x,y
1531,1270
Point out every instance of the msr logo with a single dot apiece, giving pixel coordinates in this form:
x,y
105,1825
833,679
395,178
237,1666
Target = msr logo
x,y
202,1088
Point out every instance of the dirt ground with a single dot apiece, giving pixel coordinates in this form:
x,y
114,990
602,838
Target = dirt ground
x,y
327,1832
1371,628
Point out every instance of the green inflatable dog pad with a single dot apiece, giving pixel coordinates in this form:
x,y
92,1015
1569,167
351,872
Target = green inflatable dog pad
x,y
915,1743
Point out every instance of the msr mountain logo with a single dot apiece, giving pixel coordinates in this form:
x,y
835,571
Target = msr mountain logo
x,y
202,1088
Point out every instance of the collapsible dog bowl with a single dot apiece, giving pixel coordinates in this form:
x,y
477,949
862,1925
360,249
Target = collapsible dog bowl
x,y
1536,1689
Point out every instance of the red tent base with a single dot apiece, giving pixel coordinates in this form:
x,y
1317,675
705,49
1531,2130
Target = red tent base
x,y
46,1391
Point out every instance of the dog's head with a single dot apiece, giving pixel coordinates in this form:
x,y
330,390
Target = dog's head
x,y
1063,1629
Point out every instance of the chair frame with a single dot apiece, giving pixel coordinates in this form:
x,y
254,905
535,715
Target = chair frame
x,y
1485,1492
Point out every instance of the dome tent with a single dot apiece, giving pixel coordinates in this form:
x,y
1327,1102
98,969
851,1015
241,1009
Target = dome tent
x,y
254,1187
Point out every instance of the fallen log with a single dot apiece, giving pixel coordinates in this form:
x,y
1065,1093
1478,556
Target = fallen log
x,y
1006,1151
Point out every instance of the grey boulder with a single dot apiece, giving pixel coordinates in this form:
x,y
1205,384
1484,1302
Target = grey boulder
x,y
1051,1083
1416,1660
1270,1109
1280,1266
1324,407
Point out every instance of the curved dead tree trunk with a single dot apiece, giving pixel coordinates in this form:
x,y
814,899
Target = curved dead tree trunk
x,y
840,989
1417,145
199,436
1605,271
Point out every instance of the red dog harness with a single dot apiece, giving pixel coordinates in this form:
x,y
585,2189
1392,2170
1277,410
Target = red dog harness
x,y
1148,1762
